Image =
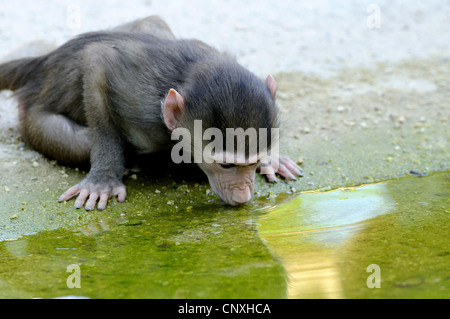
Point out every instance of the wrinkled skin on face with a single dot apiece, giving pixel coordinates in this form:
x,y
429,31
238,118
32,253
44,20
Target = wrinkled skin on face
x,y
234,182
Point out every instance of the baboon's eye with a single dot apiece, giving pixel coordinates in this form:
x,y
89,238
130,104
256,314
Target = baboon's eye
x,y
227,165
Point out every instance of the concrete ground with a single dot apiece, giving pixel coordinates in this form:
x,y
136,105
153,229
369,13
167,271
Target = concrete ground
x,y
363,90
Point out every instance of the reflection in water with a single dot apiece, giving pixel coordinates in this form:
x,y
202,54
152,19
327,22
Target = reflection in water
x,y
304,233
312,275
323,243
17,248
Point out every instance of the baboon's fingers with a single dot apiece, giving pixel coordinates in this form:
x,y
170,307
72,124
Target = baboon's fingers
x,y
291,166
71,192
81,199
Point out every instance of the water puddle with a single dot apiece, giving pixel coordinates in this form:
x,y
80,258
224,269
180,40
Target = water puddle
x,y
326,241
315,245
202,252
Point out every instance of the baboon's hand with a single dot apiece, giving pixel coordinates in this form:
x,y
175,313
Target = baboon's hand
x,y
93,190
281,165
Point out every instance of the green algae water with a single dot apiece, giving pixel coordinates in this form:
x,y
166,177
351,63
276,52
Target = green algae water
x,y
153,255
328,243
310,245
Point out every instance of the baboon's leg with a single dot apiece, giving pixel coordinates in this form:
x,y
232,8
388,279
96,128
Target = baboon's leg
x,y
55,135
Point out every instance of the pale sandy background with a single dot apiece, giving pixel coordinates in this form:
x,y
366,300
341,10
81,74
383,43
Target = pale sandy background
x,y
266,35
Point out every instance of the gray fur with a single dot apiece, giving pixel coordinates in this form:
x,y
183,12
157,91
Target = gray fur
x,y
100,94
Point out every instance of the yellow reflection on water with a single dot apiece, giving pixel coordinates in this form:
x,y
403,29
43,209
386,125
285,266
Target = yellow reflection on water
x,y
306,233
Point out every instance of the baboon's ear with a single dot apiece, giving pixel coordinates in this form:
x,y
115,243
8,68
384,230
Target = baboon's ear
x,y
271,85
174,106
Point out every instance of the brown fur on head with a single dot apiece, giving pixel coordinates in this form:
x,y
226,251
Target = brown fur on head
x,y
223,95
232,96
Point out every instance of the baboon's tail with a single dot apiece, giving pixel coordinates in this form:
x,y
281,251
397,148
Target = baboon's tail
x,y
16,73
